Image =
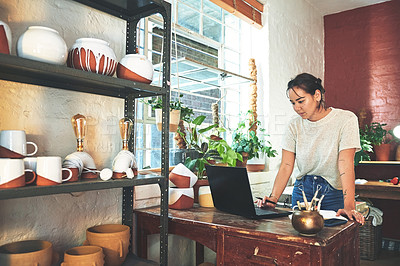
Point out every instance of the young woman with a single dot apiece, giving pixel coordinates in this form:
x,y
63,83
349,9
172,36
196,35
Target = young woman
x,y
321,142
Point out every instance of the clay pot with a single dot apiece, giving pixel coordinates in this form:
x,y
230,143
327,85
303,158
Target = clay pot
x,y
42,44
135,67
181,198
113,239
174,117
5,38
245,155
28,252
84,255
92,55
382,152
199,183
205,197
307,223
182,177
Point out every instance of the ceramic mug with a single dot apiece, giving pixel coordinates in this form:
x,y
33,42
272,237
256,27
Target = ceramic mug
x,y
124,161
12,173
113,239
49,171
84,255
15,140
5,38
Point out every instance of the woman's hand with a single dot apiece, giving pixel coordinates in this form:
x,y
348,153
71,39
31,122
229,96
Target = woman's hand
x,y
265,202
352,214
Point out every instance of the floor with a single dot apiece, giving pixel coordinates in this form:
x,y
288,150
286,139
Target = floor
x,y
385,258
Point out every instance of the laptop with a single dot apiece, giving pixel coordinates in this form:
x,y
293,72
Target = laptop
x,y
231,193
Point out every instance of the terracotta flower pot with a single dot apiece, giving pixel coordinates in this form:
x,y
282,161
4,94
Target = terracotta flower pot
x,y
28,252
135,67
113,239
84,255
174,116
245,156
5,38
382,152
197,185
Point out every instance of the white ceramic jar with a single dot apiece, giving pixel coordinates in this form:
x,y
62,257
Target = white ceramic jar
x,y
42,44
5,38
92,55
135,67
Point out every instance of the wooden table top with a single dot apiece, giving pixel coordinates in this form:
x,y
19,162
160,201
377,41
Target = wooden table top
x,y
379,190
275,228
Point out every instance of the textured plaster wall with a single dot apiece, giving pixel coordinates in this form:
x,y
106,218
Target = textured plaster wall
x,y
45,113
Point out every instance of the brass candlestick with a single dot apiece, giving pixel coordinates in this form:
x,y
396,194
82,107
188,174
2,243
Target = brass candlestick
x,y
79,124
125,128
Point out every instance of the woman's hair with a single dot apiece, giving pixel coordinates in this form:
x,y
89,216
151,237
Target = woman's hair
x,y
309,84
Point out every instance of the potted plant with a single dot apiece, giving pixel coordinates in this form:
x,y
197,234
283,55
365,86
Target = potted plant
x,y
246,141
379,138
366,148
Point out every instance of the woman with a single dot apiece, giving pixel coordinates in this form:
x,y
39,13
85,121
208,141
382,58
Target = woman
x,y
322,142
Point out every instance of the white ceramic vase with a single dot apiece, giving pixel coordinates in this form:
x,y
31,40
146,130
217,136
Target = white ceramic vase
x,y
135,67
42,44
5,38
92,55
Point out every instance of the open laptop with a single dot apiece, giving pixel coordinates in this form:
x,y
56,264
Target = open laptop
x,y
231,193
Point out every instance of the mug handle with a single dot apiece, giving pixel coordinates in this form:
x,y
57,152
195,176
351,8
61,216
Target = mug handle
x,y
34,145
70,174
33,179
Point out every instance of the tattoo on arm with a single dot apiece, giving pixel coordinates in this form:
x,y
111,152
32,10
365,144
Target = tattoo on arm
x,y
341,174
344,194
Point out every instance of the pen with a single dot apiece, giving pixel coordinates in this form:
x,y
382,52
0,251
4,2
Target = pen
x,y
266,200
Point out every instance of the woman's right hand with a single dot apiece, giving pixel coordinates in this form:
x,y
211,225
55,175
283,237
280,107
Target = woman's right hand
x,y
266,202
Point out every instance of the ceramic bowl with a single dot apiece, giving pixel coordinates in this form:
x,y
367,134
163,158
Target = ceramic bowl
x,y
307,223
135,67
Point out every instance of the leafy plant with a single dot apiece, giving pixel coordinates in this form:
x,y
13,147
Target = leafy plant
x,y
363,155
208,147
247,141
375,134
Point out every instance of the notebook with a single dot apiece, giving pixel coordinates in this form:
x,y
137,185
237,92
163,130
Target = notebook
x,y
231,193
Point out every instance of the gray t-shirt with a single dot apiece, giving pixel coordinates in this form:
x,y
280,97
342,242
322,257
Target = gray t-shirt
x,y
317,144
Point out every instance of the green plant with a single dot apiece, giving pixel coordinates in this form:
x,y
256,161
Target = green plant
x,y
375,134
209,148
363,155
245,140
186,112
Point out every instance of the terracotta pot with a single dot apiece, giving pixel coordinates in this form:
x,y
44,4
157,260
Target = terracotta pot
x,y
174,116
28,252
205,197
5,38
92,55
197,185
181,198
135,67
182,177
382,152
245,156
113,239
398,153
84,255
42,44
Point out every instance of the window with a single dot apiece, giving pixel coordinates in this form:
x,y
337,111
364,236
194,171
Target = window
x,y
205,35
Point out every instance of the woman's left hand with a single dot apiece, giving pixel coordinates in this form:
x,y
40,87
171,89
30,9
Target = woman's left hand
x,y
352,214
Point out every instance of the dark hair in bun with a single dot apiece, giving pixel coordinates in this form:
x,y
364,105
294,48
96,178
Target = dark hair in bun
x,y
309,84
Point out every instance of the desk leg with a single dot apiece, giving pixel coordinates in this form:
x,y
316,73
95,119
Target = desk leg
x,y
199,253
142,245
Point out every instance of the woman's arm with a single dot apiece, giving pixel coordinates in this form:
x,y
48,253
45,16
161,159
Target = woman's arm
x,y
285,170
347,176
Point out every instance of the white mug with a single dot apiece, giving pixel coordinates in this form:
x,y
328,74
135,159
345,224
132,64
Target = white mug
x,y
12,173
30,163
49,171
15,140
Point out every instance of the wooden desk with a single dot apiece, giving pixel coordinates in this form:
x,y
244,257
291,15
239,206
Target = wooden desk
x,y
241,241
378,190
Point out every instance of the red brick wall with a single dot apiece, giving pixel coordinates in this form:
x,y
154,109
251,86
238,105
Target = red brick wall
x,y
362,61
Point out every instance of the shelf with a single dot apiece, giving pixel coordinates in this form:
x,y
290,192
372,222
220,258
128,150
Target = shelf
x,y
86,185
23,70
379,162
125,9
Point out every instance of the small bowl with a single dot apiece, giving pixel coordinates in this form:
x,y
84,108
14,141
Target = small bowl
x,y
307,223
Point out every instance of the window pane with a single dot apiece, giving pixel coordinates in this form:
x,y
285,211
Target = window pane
x,y
193,3
212,10
232,38
231,20
188,18
212,29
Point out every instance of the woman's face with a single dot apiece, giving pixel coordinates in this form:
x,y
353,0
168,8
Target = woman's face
x,y
305,104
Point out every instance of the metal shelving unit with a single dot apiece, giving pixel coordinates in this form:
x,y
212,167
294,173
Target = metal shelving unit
x,y
13,68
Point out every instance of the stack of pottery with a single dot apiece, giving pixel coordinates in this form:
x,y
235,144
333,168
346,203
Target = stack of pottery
x,y
5,38
135,67
15,169
181,194
28,252
92,55
42,44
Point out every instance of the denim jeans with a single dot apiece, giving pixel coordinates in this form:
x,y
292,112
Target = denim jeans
x,y
333,199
